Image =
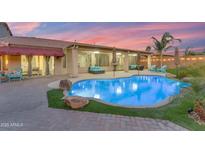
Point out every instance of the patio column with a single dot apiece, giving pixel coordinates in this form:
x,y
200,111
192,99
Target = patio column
x,y
1,63
126,62
47,71
93,60
73,61
149,61
29,58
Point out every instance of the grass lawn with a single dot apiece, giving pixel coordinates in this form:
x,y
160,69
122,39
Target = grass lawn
x,y
176,111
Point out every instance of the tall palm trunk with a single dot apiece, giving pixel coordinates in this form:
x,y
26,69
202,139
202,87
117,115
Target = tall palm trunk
x,y
161,57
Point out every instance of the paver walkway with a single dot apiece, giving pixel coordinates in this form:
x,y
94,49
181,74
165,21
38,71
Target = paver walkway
x,y
23,106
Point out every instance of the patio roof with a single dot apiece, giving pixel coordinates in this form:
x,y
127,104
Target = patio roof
x,y
108,48
48,43
22,50
36,42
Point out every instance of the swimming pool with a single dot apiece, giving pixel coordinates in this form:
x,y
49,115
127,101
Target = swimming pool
x,y
134,91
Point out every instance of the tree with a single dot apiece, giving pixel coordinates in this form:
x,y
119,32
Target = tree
x,y
114,61
148,48
177,60
187,51
166,42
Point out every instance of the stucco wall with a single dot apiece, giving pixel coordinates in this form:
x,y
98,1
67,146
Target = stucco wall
x,y
57,66
184,60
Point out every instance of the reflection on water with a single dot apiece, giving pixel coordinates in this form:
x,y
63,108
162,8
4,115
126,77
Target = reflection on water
x,y
133,91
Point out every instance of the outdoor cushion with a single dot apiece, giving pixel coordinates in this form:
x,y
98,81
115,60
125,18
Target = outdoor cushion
x,y
153,68
96,69
15,75
163,69
132,67
136,67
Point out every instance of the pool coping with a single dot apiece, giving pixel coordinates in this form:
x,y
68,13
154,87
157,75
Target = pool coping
x,y
161,104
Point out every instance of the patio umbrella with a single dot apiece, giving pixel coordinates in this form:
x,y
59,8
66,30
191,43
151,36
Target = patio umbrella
x,y
177,60
114,61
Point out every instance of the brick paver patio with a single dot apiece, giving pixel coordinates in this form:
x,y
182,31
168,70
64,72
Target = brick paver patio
x,y
24,107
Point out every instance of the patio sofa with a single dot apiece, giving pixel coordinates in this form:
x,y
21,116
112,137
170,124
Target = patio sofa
x,y
96,70
136,67
15,75
163,69
153,68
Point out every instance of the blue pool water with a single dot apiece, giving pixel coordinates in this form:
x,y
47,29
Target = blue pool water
x,y
134,91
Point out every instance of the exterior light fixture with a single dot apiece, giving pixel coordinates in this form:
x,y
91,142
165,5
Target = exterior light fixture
x,y
96,52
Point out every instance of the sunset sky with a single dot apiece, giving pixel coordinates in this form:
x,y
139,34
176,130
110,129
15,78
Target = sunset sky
x,y
124,35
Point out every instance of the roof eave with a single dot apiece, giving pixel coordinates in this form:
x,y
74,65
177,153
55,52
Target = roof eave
x,y
108,48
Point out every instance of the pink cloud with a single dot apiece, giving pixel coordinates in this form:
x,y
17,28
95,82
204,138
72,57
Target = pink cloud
x,y
133,37
22,28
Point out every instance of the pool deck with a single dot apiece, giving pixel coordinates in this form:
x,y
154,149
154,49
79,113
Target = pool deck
x,y
24,106
118,74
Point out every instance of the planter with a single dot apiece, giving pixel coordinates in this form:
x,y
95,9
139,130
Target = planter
x,y
76,102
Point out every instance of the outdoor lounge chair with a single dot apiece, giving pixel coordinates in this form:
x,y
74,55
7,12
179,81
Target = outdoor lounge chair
x,y
153,68
96,70
163,69
15,75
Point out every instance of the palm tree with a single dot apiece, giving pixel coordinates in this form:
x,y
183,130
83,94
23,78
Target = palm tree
x,y
148,48
187,51
114,61
164,44
177,61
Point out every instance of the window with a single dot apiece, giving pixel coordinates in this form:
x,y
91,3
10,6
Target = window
x,y
84,59
132,60
102,59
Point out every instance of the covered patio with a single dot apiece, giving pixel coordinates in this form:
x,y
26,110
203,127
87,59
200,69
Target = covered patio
x,y
81,56
32,60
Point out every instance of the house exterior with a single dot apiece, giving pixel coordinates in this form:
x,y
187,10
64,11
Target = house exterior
x,y
39,56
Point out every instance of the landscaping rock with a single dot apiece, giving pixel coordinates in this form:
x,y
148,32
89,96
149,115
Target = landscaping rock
x,y
65,84
76,102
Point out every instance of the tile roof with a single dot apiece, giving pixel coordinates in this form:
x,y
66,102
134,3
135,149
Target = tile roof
x,y
49,43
